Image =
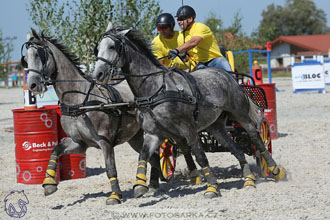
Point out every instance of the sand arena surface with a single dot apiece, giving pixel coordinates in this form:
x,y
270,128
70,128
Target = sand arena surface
x,y
302,148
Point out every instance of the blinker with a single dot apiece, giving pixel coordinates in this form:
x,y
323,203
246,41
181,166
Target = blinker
x,y
42,55
23,62
96,51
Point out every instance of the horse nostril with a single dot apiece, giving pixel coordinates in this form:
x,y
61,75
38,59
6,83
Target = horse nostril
x,y
99,76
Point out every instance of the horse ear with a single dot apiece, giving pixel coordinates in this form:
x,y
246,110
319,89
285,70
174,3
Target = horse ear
x,y
109,27
35,34
29,36
123,32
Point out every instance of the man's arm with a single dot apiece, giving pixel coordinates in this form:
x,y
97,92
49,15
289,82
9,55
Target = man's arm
x,y
193,42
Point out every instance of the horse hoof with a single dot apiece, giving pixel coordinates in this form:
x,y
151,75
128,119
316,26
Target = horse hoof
x,y
153,188
139,191
154,185
210,195
49,189
211,192
281,174
111,201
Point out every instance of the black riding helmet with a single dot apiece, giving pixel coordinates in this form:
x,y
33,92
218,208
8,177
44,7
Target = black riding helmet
x,y
186,11
165,19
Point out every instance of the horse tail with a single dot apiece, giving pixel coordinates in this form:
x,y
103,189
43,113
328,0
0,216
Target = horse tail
x,y
255,113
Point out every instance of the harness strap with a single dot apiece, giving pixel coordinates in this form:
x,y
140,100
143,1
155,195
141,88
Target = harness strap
x,y
75,110
194,89
164,96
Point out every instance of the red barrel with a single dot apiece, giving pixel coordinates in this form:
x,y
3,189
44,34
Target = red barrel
x,y
72,166
35,137
270,113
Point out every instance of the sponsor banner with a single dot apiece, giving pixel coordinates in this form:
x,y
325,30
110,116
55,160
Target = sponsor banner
x,y
36,147
326,66
308,76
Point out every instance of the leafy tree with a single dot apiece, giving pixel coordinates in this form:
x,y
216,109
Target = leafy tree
x,y
6,48
137,14
214,23
236,27
232,38
296,17
81,23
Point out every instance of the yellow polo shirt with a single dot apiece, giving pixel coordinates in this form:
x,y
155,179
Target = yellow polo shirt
x,y
161,46
207,49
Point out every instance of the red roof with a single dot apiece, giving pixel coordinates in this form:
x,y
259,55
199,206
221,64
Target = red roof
x,y
318,43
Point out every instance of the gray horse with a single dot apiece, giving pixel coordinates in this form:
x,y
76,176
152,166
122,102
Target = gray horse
x,y
178,105
49,62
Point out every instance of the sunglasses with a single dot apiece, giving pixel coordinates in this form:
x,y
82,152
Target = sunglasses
x,y
181,18
162,28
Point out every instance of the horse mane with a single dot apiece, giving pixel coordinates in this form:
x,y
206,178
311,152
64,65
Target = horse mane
x,y
72,57
137,38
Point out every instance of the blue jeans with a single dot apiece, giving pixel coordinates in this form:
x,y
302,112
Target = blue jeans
x,y
219,62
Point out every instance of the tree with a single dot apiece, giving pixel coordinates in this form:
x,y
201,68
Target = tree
x,y
296,17
81,23
6,48
214,23
232,38
137,14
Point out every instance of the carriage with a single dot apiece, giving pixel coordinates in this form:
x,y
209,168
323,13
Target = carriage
x,y
44,53
169,151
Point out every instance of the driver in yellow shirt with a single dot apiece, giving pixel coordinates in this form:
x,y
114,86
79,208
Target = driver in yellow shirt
x,y
198,41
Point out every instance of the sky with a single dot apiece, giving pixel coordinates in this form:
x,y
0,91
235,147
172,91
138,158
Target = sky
x,y
15,21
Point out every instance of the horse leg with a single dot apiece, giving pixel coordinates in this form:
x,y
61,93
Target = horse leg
x,y
150,145
193,141
66,146
110,165
193,174
192,169
136,143
219,131
278,172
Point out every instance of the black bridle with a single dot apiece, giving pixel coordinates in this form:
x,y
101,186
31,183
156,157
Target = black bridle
x,y
43,52
119,48
162,94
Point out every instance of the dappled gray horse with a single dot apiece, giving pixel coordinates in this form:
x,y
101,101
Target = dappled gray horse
x,y
49,62
178,105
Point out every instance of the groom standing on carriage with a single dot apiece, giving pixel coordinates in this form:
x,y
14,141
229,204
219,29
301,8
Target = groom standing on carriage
x,y
166,40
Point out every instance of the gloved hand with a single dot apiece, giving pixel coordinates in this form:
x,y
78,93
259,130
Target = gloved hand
x,y
173,53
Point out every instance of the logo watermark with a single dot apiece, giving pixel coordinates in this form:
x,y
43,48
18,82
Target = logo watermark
x,y
16,204
207,214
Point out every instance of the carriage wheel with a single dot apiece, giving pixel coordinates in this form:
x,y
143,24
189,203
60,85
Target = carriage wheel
x,y
167,154
265,137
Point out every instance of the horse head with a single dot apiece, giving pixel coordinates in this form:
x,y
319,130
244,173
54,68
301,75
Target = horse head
x,y
38,61
110,53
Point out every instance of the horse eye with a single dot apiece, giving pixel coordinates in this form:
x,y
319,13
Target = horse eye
x,y
111,47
